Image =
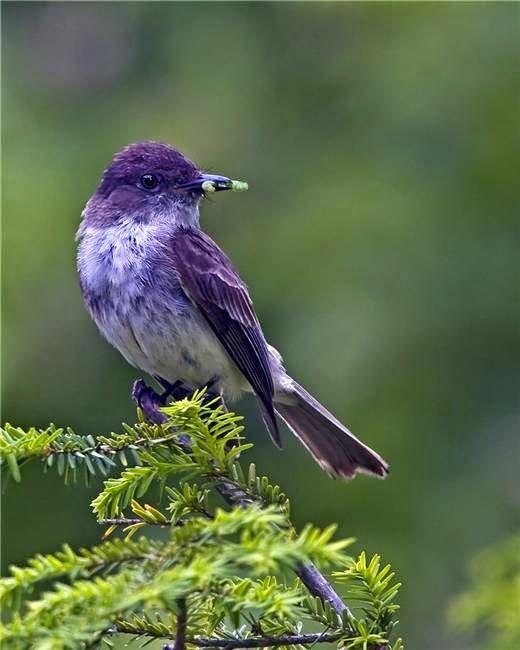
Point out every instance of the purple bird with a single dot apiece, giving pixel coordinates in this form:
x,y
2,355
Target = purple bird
x,y
163,293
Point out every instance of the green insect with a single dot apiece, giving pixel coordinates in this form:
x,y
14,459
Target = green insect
x,y
233,185
239,186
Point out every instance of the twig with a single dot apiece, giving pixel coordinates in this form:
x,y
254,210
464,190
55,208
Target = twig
x,y
124,521
309,574
318,585
262,641
103,448
180,635
230,643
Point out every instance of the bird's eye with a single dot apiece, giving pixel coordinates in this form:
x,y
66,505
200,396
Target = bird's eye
x,y
149,181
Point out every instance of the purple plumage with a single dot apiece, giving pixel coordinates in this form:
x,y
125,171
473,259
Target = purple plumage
x,y
165,295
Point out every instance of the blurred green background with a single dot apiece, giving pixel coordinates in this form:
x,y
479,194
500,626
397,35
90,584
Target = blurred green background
x,y
379,240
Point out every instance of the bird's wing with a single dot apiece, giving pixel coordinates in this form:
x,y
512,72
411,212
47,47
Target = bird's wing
x,y
210,281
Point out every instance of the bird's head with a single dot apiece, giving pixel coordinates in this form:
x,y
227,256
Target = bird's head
x,y
152,180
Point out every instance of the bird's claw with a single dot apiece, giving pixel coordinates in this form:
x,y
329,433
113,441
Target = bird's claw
x,y
149,402
177,390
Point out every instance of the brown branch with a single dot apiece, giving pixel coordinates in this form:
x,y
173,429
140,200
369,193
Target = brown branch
x,y
125,521
309,574
103,449
318,585
262,641
180,634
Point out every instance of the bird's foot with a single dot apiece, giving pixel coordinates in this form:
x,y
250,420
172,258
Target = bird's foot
x,y
149,402
212,396
178,390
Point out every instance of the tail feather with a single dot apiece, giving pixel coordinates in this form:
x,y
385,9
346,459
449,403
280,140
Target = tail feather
x,y
331,444
270,422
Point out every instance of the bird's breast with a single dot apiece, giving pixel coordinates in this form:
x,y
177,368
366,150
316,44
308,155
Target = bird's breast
x,y
133,292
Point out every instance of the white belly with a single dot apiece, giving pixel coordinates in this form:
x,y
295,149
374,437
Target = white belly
x,y
182,347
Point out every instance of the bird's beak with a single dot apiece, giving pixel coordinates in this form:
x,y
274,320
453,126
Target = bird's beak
x,y
213,183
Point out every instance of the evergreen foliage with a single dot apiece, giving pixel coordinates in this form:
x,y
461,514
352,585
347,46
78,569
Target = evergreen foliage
x,y
219,576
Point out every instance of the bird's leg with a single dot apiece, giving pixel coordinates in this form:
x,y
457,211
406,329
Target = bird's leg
x,y
149,402
177,390
210,395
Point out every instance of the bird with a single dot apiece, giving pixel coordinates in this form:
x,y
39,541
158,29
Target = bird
x,y
165,295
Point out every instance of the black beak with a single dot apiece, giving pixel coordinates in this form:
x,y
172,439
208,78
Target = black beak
x,y
213,183
208,182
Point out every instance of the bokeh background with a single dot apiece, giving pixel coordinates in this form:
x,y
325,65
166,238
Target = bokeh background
x,y
379,239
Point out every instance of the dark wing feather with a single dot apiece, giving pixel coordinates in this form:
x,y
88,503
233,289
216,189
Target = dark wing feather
x,y
209,279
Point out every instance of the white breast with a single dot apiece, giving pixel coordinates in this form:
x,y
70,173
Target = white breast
x,y
140,308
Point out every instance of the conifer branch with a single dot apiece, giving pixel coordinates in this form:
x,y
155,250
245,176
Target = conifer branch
x,y
126,521
263,642
218,572
308,573
235,495
124,627
182,619
66,562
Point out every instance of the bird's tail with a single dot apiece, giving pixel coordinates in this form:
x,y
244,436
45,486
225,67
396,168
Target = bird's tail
x,y
331,444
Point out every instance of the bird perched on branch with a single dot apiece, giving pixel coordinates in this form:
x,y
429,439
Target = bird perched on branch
x,y
166,296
